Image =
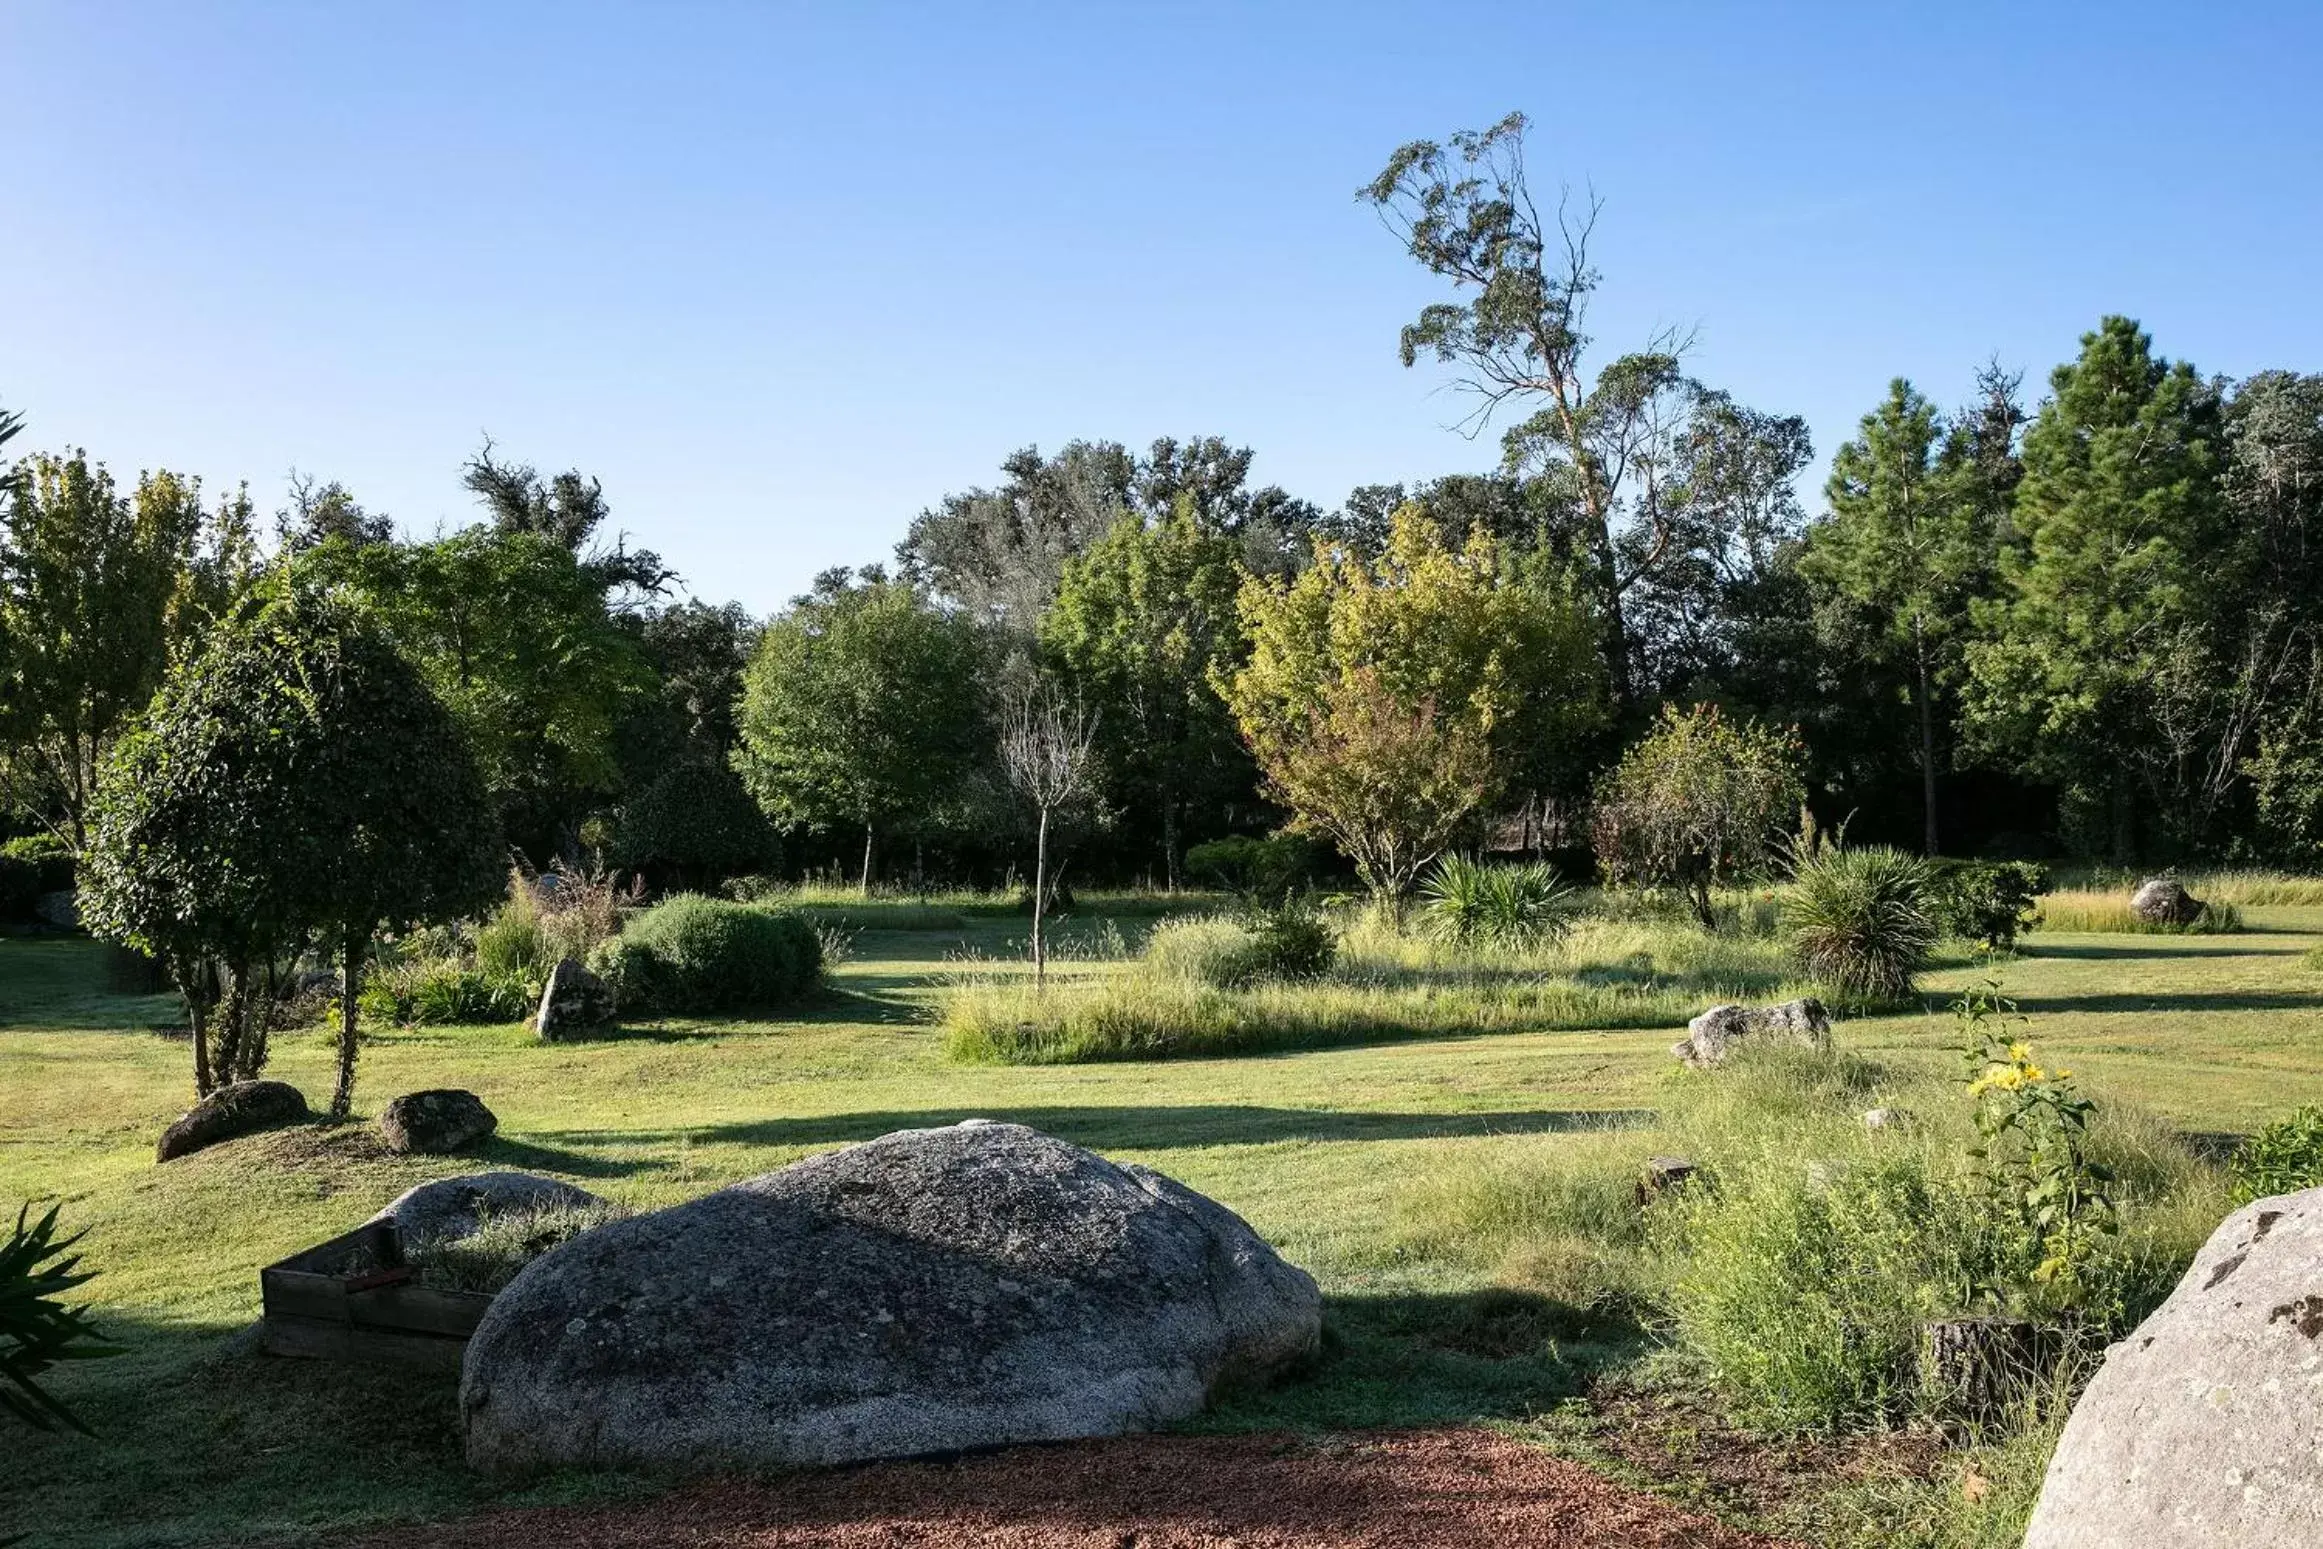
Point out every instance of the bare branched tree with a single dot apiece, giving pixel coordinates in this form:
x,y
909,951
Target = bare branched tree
x,y
1047,751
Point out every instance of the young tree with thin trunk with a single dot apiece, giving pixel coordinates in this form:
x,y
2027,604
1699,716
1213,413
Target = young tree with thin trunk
x,y
1696,803
1048,754
295,785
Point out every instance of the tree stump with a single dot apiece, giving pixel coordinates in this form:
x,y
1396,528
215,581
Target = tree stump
x,y
1662,1174
1976,1369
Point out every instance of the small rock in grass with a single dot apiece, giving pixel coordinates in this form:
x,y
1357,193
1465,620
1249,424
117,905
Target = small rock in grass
x,y
237,1109
574,1002
2165,901
1879,1119
2202,1426
1716,1033
436,1122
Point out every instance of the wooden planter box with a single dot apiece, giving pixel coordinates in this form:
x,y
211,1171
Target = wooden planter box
x,y
382,1316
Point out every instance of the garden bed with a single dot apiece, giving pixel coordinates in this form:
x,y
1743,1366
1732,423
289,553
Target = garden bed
x,y
354,1299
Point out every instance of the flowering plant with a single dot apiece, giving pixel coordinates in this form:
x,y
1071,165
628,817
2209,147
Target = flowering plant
x,y
2032,1125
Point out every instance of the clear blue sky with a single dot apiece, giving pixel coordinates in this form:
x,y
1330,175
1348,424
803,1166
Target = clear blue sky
x,y
782,276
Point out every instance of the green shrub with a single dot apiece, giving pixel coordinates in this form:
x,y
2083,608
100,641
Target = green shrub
x,y
511,944
1473,904
2282,1158
1989,903
1858,920
692,954
1289,942
443,991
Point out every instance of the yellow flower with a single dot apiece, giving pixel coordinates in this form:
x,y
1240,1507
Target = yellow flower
x,y
2022,1053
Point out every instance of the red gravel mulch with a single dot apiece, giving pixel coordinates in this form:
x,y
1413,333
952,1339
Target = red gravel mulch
x,y
1447,1489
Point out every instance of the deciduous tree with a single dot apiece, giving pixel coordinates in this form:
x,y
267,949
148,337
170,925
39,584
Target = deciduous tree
x,y
1474,649
865,705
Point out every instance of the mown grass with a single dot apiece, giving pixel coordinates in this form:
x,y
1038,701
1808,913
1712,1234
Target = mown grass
x,y
1418,1179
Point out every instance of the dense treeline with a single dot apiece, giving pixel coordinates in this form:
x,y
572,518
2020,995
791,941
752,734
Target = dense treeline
x,y
2086,625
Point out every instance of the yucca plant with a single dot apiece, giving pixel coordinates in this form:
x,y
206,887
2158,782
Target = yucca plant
x,y
1470,903
1859,919
36,1329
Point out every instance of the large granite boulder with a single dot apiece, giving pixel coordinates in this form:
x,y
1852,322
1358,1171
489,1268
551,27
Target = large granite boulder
x,y
1718,1032
930,1291
436,1122
236,1109
573,1004
452,1208
2165,901
2205,1426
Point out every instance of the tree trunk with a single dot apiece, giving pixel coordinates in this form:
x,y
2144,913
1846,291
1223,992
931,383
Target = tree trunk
x,y
1040,899
1169,841
193,985
1927,736
343,1096
867,837
1701,899
234,1004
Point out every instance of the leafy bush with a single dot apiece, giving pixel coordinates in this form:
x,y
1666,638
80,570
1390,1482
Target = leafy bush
x,y
1472,904
443,991
1264,870
1859,921
36,1329
1989,903
2282,1158
693,954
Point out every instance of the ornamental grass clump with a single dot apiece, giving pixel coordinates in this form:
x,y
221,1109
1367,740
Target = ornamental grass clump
x,y
1859,920
1469,903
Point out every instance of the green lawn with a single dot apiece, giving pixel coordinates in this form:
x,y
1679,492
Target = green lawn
x,y
1326,1152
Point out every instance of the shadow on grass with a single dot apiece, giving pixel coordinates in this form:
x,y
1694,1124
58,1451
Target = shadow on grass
x,y
2191,1001
1435,1358
201,1439
1165,1128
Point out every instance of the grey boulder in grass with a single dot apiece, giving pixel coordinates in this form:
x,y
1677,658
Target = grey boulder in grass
x,y
2205,1426
1718,1032
234,1110
436,1122
2165,901
573,1004
930,1291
